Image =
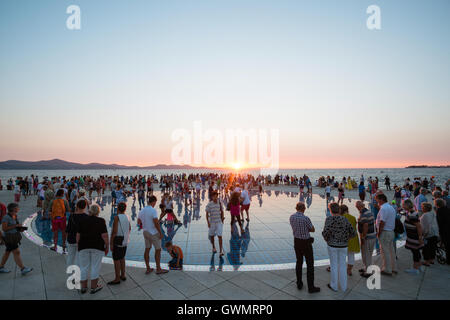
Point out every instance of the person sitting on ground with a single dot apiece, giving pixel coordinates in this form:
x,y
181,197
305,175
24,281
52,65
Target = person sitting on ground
x,y
177,256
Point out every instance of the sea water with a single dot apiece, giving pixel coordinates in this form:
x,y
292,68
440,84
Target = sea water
x,y
397,175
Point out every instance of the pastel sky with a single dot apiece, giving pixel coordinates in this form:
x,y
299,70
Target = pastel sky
x,y
340,95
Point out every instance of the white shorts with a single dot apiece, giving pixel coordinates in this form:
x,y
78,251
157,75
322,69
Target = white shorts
x,y
90,260
215,229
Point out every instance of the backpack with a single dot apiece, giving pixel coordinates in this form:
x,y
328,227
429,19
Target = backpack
x,y
58,208
399,228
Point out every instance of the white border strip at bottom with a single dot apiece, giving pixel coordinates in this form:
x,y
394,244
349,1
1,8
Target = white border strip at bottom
x,y
33,237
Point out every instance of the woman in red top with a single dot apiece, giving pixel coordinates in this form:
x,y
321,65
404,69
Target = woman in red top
x,y
235,210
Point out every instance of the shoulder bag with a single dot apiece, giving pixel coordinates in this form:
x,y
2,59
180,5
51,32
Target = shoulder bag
x,y
118,240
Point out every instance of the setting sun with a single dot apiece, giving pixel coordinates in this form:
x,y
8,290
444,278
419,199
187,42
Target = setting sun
x,y
236,166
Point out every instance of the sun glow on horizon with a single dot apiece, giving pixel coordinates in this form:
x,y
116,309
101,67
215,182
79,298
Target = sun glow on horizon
x,y
236,165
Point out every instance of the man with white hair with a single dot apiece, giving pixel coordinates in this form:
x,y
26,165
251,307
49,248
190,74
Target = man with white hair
x,y
301,227
385,223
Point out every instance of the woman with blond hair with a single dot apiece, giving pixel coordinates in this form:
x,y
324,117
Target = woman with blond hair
x,y
93,242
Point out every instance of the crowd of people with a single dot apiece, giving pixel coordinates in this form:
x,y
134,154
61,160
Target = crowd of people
x,y
85,238
379,226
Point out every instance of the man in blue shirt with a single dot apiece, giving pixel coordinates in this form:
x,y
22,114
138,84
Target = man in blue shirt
x,y
421,198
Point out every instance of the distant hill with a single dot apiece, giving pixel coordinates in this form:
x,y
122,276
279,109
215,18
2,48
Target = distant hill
x,y
57,164
425,166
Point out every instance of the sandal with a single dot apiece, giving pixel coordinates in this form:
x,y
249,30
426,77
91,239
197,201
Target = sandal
x,y
95,290
123,278
83,290
162,271
148,271
113,283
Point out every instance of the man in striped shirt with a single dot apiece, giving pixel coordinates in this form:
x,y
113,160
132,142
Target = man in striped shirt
x,y
215,218
368,235
301,227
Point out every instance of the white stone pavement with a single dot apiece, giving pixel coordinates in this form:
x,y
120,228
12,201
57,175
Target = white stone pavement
x,y
48,279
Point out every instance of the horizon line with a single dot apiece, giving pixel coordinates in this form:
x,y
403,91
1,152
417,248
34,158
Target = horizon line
x,y
223,167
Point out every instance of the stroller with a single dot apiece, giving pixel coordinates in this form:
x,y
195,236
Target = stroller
x,y
440,253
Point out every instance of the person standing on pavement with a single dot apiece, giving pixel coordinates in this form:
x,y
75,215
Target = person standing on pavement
x,y
385,223
215,218
337,231
367,234
148,220
12,228
301,227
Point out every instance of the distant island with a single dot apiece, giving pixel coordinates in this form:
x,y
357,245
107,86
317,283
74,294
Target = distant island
x,y
425,166
57,164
